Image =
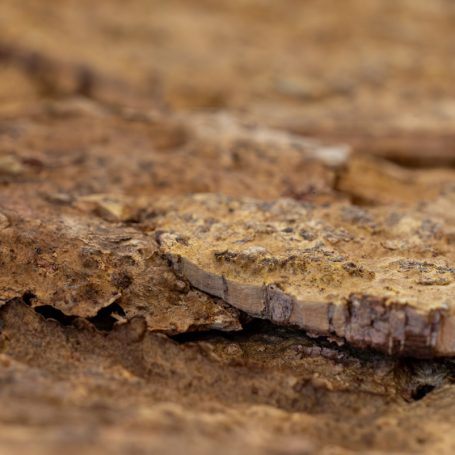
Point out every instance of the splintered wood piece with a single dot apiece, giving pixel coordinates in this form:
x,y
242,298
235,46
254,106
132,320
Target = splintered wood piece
x,y
380,278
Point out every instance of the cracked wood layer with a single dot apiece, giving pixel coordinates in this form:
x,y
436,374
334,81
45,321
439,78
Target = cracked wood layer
x,y
377,278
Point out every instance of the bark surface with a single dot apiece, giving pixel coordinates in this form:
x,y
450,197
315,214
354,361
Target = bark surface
x,y
378,278
227,226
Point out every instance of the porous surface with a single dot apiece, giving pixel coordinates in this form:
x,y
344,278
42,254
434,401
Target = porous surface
x,y
73,388
377,278
227,226
77,205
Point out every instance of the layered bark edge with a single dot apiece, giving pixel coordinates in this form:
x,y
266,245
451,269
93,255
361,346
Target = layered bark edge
x,y
364,321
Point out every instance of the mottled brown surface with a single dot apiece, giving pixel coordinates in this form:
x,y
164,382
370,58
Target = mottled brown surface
x,y
378,75
264,391
77,205
337,117
381,278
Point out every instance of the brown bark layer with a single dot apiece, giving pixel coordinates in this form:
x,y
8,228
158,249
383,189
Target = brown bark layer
x,y
376,278
227,226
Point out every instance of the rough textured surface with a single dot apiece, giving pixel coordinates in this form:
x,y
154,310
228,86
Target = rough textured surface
x,y
380,278
82,148
59,257
337,118
263,391
77,214
379,76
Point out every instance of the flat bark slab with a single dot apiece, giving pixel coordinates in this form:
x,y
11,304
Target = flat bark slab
x,y
79,210
76,204
377,278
